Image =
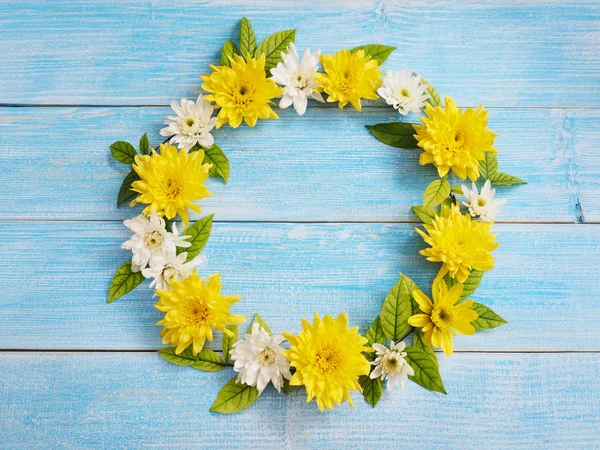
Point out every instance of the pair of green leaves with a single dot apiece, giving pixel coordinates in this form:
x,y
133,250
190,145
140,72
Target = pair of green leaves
x,y
125,153
488,169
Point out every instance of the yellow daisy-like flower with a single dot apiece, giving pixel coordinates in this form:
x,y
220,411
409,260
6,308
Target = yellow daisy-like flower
x,y
192,309
328,359
443,316
349,77
242,91
458,242
170,181
454,140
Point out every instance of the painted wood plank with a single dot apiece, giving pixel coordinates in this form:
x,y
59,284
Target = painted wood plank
x,y
505,53
324,166
108,400
56,276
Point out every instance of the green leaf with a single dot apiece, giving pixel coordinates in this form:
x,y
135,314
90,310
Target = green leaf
x,y
470,284
397,308
436,193
503,179
372,389
375,334
123,282
395,134
125,192
287,387
247,38
427,372
426,214
419,342
234,397
434,98
488,166
487,318
457,190
123,152
261,323
208,361
185,358
199,232
228,342
376,51
220,164
229,49
274,45
144,144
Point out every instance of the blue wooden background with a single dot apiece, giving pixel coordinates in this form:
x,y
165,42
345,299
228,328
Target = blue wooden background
x,y
315,217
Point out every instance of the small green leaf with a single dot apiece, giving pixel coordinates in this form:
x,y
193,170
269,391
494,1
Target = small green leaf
x,y
228,342
372,389
220,164
208,361
125,192
375,334
487,318
376,51
229,49
457,190
185,358
395,134
287,387
434,98
419,342
424,213
436,193
261,323
199,232
488,166
123,282
144,144
234,397
470,284
503,179
247,38
397,308
274,45
427,372
123,152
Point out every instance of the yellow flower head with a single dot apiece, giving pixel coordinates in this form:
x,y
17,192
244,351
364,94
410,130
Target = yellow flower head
x,y
170,181
458,242
242,91
454,140
443,316
192,309
349,77
328,359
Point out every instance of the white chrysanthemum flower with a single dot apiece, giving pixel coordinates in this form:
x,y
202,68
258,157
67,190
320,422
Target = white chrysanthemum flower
x,y
390,365
150,239
164,268
297,78
482,204
259,359
404,91
192,125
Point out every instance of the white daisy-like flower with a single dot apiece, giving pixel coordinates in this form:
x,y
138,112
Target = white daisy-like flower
x,y
404,91
483,204
192,125
150,239
165,268
259,359
390,365
297,78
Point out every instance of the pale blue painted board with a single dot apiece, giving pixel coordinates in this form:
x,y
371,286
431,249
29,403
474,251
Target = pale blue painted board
x,y
505,53
324,166
56,276
132,400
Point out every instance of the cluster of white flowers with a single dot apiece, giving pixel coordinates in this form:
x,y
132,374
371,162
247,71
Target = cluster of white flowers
x,y
390,365
483,204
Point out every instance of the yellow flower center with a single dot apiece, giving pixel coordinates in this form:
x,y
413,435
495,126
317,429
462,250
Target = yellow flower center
x,y
327,360
189,121
442,316
197,312
174,188
153,239
391,363
266,357
481,201
404,92
169,273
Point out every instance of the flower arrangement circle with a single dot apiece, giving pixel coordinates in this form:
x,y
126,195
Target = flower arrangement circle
x,y
328,357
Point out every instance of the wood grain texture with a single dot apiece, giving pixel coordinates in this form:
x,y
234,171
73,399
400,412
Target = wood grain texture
x,y
54,289
108,400
324,166
505,53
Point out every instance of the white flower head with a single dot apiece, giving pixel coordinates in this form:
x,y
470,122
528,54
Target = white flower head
x,y
151,239
259,359
165,268
482,204
297,78
404,91
391,365
192,125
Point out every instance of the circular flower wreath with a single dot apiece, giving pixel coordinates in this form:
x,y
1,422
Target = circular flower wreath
x,y
327,357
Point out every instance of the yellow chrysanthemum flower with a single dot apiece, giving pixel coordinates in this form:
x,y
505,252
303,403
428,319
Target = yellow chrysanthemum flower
x,y
328,359
454,140
170,181
349,77
242,91
458,242
193,307
443,316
